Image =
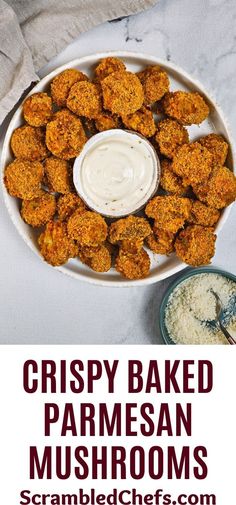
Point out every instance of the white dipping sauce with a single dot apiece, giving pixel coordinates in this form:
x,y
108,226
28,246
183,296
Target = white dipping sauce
x,y
116,173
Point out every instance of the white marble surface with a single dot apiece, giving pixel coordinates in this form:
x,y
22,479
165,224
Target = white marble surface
x,y
39,305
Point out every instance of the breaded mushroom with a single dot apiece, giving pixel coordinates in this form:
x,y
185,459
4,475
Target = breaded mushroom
x,y
195,245
161,241
170,136
84,99
141,121
37,109
108,66
28,143
107,121
219,190
62,83
193,162
122,93
187,107
203,215
55,245
58,175
171,182
39,211
133,266
155,82
88,228
170,212
23,179
217,146
129,229
65,136
67,204
97,258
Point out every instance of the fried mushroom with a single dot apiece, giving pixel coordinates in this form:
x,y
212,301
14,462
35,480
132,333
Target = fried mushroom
x,y
67,204
97,258
39,211
171,182
84,99
219,190
122,93
170,212
203,215
62,83
88,228
65,136
193,162
55,245
108,66
28,143
37,109
23,179
155,83
133,266
130,228
161,241
195,245
186,107
141,121
217,146
58,175
170,136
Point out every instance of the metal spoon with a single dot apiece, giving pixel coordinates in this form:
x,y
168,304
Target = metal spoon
x,y
219,313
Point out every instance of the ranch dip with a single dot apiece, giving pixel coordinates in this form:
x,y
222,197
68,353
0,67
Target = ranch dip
x,y
116,173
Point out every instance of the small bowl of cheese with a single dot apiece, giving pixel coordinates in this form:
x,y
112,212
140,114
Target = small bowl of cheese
x,y
188,310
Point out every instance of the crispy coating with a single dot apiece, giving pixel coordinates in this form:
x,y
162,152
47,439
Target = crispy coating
x,y
88,228
133,266
171,182
141,121
122,93
62,83
217,146
187,107
155,83
23,179
67,204
195,245
38,211
37,109
55,245
129,228
132,246
108,66
193,162
220,189
84,99
28,143
170,136
65,136
105,121
58,175
97,258
161,241
203,215
170,212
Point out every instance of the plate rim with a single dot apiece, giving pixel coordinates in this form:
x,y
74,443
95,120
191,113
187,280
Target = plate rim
x,y
85,60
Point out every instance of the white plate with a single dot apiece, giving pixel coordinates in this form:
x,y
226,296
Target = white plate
x,y
161,266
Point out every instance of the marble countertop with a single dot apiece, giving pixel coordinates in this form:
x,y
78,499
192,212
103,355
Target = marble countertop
x,y
39,305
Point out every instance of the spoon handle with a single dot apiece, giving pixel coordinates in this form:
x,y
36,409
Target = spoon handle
x,y
231,339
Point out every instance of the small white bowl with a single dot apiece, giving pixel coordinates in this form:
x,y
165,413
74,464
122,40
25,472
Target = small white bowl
x,y
109,173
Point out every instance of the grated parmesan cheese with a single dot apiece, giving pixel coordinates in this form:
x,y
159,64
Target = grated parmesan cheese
x,y
192,305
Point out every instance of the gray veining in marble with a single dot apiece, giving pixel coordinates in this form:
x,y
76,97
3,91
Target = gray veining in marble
x,y
39,305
